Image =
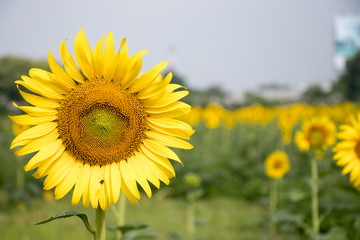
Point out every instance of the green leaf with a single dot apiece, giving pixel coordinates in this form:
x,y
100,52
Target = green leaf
x,y
335,234
70,213
143,233
135,231
282,216
128,227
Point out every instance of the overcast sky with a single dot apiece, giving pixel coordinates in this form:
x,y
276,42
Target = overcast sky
x,y
238,44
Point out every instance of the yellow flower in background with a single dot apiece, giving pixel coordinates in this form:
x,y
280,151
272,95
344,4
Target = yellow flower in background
x,y
194,116
212,115
347,151
19,128
277,164
287,119
192,180
318,132
103,128
230,119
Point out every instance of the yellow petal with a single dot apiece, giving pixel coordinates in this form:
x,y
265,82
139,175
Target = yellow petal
x,y
108,184
185,134
115,180
26,119
129,179
136,163
109,67
48,79
155,91
81,183
102,193
159,160
169,140
354,174
86,196
68,182
94,186
169,173
345,145
39,101
160,149
127,193
148,164
59,171
169,123
36,111
61,76
173,110
139,176
83,54
134,68
38,143
40,88
69,64
47,164
44,153
167,100
34,132
97,61
348,168
122,65
147,77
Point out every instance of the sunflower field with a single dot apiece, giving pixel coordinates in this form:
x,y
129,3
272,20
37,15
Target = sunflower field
x,y
101,136
249,176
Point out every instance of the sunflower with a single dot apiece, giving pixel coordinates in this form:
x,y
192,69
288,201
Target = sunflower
x,y
194,116
316,133
212,115
277,164
229,119
101,128
347,151
18,128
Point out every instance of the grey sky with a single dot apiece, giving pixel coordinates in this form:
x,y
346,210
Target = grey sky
x,y
238,44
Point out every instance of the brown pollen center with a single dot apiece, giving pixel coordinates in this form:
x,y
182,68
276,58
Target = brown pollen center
x,y
101,123
277,164
317,136
357,149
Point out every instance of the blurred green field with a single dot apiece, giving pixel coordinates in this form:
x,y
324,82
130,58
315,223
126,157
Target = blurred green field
x,y
219,218
230,203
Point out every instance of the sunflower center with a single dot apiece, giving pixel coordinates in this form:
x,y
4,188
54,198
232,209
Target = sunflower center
x,y
357,149
100,123
277,164
316,137
103,125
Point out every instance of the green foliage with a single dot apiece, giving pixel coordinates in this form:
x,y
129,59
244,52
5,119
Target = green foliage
x,y
315,95
348,85
133,231
11,69
70,213
231,163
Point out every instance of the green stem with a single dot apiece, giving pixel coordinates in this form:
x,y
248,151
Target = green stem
x,y
20,176
100,224
121,214
190,219
273,204
314,197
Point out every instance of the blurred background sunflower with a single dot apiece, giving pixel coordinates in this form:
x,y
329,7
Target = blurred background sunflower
x,y
277,164
316,133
